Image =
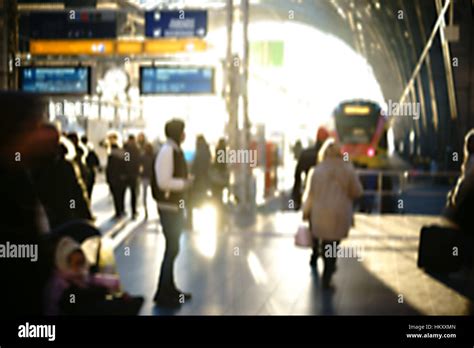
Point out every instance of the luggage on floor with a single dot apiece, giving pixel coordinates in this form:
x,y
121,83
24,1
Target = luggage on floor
x,y
441,249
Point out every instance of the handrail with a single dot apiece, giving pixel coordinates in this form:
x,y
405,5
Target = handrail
x,y
407,172
403,176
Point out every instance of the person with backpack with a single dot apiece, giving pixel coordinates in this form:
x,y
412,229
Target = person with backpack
x,y
170,184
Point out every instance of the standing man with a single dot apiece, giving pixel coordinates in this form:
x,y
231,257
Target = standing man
x,y
132,161
115,173
169,184
92,162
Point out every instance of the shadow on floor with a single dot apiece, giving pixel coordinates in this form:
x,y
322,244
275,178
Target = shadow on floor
x,y
355,291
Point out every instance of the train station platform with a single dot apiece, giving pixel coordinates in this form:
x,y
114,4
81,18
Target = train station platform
x,y
257,270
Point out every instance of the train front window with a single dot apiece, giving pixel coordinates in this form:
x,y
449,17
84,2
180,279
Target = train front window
x,y
356,129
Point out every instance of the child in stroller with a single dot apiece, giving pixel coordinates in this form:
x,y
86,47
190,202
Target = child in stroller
x,y
74,290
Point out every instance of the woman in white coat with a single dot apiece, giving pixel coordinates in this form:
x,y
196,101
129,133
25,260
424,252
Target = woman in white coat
x,y
333,188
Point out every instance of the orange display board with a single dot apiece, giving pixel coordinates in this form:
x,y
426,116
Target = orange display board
x,y
129,47
72,47
164,46
116,47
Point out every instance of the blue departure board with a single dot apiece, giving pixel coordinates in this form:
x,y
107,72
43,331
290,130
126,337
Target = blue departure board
x,y
176,80
56,80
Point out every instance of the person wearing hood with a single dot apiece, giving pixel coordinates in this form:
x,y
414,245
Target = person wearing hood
x,y
307,160
72,277
71,269
116,174
170,183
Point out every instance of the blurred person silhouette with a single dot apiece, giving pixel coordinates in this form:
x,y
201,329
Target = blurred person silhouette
x,y
141,142
132,166
170,183
116,173
297,149
200,170
307,160
219,173
59,184
147,161
22,217
80,156
333,187
460,200
92,163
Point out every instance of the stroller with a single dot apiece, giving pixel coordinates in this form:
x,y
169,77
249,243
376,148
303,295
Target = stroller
x,y
102,294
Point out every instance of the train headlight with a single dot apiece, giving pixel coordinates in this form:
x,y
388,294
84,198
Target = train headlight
x,y
371,152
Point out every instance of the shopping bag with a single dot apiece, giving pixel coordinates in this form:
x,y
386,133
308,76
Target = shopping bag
x,y
303,237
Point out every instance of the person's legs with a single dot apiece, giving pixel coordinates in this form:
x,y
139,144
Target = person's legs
x,y
315,254
133,194
90,186
121,198
172,224
145,184
115,197
329,253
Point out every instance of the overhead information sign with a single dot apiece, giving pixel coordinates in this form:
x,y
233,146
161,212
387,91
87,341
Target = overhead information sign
x,y
176,24
69,24
56,80
72,47
176,80
96,47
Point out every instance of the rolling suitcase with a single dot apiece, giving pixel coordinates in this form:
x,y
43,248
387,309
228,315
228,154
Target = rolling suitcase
x,y
441,249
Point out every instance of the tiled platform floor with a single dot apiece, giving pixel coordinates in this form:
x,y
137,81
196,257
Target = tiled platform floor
x,y
258,271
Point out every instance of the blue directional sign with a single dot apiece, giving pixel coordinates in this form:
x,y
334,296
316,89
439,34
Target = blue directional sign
x,y
56,80
177,24
176,80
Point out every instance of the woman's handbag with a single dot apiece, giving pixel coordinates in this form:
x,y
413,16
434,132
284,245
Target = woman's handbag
x,y
303,237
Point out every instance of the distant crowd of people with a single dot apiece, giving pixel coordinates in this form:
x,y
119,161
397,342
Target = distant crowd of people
x,y
134,162
125,166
